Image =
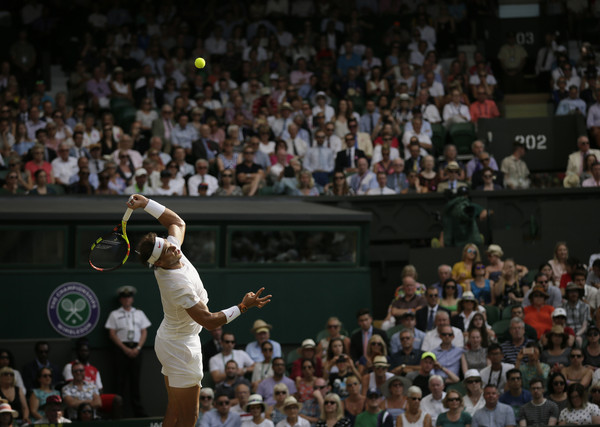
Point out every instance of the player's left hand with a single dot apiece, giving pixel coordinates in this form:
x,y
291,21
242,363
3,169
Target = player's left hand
x,y
252,299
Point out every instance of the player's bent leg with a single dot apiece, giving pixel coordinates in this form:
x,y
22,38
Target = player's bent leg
x,y
182,408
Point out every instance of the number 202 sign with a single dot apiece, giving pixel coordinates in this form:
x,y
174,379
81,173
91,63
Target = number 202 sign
x,y
533,142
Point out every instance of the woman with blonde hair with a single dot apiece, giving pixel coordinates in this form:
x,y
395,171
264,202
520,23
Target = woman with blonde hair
x,y
461,271
306,184
414,416
509,289
559,261
276,412
375,347
13,394
332,413
456,415
354,404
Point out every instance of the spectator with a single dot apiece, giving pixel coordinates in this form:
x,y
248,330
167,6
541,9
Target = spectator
x,y
231,380
473,399
250,175
533,368
539,313
594,180
539,411
217,362
516,172
449,299
483,107
269,386
222,416
579,410
433,338
554,298
79,391
512,57
578,312
512,347
572,104
368,418
206,403
262,332
291,408
576,371
276,411
433,403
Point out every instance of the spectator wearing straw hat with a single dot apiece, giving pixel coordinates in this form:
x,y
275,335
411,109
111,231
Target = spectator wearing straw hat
x,y
292,407
7,414
554,297
262,333
256,408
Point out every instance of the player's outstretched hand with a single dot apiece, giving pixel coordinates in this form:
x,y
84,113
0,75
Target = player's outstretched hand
x,y
137,201
252,299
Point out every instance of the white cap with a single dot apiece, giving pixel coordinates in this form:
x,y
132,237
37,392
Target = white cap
x,y
308,343
559,312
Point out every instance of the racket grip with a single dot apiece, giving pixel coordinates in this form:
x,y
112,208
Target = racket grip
x,y
127,214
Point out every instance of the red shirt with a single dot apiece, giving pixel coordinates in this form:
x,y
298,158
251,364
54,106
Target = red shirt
x,y
483,110
33,167
564,279
540,320
379,141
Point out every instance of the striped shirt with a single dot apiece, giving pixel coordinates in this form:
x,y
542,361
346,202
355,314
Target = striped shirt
x,y
577,315
539,415
511,351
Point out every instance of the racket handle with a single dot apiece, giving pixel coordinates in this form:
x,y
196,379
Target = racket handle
x,y
127,214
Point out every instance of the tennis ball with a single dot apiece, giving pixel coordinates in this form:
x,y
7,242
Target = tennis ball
x,y
200,62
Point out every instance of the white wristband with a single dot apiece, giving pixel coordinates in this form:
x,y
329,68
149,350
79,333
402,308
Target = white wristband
x,y
231,313
154,208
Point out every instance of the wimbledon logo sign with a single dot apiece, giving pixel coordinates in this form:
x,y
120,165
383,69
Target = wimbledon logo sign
x,y
73,310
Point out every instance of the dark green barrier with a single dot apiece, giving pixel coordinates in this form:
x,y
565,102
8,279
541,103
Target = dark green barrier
x,y
297,311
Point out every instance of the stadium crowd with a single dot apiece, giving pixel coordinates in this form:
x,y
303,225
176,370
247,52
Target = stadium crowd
x,y
298,98
489,344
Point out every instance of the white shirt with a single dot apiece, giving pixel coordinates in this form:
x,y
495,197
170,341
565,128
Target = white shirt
x,y
452,110
217,362
432,339
334,142
194,181
433,407
497,377
436,90
180,289
128,325
377,157
300,423
63,170
297,146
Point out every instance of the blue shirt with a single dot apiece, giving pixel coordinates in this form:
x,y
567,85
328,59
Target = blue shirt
x,y
501,416
449,359
569,106
213,419
184,137
515,402
253,350
343,63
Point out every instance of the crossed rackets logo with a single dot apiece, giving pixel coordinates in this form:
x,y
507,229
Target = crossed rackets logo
x,y
73,308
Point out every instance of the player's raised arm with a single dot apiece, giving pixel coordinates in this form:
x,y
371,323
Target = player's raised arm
x,y
168,219
210,321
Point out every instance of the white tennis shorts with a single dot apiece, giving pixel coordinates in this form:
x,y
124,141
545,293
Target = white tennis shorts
x,y
181,361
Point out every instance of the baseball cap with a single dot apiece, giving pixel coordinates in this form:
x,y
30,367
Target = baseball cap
x,y
559,312
429,354
308,343
141,172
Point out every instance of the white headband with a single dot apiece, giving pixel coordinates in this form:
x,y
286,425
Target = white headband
x,y
159,243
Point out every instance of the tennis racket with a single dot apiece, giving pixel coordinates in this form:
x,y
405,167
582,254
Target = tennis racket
x,y
111,251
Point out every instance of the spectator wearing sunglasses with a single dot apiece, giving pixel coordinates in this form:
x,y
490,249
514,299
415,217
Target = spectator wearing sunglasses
x,y
223,416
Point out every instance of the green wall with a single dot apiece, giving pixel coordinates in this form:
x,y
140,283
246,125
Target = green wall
x,y
303,299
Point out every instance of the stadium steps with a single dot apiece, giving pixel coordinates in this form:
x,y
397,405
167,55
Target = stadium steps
x,y
526,105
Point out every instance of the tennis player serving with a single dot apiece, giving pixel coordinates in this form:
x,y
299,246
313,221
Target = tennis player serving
x,y
184,300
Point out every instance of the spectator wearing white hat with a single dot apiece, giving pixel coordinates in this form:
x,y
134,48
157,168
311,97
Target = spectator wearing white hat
x,y
262,333
291,408
141,184
473,398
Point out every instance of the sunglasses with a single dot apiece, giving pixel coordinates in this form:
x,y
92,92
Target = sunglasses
x,y
8,374
223,402
333,326
308,367
76,371
576,356
480,267
377,343
330,402
472,381
46,376
449,287
205,398
278,393
487,175
416,398
229,341
447,334
405,338
266,348
542,282
453,399
558,383
433,295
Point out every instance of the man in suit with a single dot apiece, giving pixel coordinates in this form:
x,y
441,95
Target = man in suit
x,y
204,147
347,159
362,140
453,184
163,126
150,91
360,339
577,159
426,315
